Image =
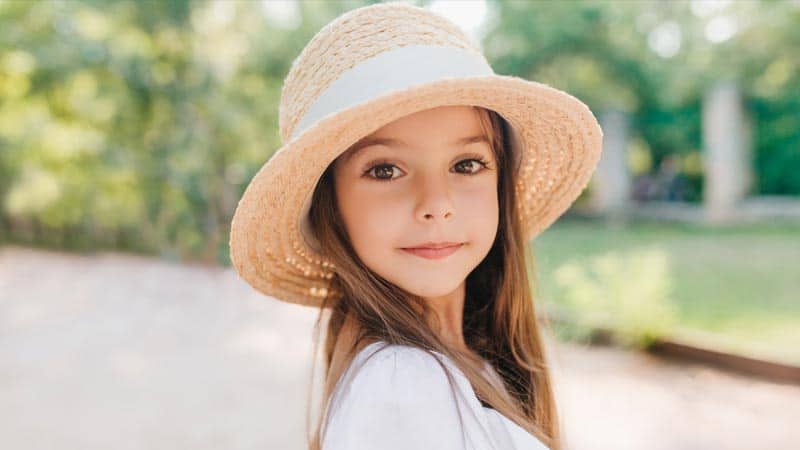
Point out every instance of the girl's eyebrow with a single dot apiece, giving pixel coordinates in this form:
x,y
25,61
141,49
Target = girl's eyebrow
x,y
389,142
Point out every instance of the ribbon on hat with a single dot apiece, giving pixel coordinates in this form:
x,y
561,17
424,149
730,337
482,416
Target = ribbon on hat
x,y
392,70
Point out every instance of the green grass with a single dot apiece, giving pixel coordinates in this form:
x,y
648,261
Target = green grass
x,y
735,287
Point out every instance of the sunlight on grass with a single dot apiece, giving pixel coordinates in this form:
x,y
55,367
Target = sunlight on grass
x,y
735,286
628,292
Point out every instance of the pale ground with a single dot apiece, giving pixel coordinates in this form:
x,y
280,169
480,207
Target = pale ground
x,y
126,352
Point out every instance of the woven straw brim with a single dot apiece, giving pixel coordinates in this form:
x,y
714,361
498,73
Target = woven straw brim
x,y
561,142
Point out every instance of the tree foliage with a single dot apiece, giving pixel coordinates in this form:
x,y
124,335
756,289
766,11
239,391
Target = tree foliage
x,y
137,125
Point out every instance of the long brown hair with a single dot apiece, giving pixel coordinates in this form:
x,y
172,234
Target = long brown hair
x,y
499,319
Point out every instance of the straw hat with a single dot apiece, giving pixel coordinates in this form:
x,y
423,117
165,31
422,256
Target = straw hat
x,y
364,69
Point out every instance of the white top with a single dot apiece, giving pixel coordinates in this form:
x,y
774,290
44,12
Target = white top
x,y
401,399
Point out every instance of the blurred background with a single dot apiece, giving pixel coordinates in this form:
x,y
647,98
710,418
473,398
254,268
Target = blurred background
x,y
129,130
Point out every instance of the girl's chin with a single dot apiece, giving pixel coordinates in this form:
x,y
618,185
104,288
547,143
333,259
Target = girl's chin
x,y
436,288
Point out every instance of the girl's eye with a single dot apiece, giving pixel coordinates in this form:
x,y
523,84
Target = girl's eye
x,y
474,165
383,170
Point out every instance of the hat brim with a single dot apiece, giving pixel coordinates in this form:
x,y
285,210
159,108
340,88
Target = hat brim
x,y
560,139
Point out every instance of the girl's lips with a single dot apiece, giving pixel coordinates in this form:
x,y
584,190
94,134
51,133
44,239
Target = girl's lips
x,y
433,253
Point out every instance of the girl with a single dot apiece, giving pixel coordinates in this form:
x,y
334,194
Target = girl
x,y
411,180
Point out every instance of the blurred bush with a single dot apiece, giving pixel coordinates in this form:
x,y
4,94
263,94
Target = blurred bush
x,y
627,293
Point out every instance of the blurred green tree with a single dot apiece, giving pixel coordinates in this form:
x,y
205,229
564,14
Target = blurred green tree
x,y
137,125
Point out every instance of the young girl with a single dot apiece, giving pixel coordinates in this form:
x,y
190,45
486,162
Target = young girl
x,y
410,182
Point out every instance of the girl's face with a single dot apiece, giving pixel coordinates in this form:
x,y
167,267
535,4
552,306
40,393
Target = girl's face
x,y
427,177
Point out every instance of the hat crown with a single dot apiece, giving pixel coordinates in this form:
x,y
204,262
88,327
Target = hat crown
x,y
352,38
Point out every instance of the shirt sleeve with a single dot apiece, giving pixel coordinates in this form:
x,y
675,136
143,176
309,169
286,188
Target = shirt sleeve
x,y
399,399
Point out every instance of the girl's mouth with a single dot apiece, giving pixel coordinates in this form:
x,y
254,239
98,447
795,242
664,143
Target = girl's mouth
x,y
433,253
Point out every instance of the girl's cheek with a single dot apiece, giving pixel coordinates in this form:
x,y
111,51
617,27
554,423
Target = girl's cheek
x,y
387,196
478,191
374,209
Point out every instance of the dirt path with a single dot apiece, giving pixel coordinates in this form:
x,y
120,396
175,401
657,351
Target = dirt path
x,y
125,352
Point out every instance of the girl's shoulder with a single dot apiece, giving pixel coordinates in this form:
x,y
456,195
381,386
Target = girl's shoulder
x,y
398,394
396,397
383,369
385,357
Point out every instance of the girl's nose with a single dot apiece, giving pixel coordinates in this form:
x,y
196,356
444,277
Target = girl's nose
x,y
431,216
435,202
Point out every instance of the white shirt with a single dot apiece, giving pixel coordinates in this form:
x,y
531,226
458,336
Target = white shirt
x,y
401,399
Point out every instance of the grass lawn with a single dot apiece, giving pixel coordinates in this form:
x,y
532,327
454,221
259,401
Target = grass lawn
x,y
736,288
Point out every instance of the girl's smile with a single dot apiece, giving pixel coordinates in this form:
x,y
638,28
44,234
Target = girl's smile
x,y
434,251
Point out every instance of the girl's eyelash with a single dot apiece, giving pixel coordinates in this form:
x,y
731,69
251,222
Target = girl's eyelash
x,y
383,162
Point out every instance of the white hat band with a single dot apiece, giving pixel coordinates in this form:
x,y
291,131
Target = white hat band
x,y
393,70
